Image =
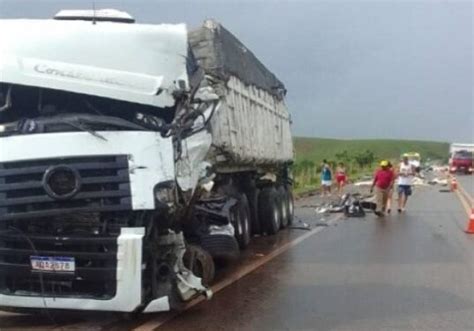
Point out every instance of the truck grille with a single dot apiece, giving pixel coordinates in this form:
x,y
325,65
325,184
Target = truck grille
x,y
95,264
105,187
84,226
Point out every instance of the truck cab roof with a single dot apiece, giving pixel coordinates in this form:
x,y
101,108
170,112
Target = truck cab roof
x,y
130,62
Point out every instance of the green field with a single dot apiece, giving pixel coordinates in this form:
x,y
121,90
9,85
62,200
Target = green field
x,y
310,152
317,149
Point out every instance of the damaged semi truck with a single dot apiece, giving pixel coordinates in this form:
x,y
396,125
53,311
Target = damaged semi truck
x,y
131,157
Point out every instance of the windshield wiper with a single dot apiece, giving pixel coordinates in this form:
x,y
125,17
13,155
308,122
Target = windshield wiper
x,y
83,122
81,127
104,120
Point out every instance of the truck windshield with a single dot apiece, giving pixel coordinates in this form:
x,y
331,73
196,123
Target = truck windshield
x,y
463,155
26,110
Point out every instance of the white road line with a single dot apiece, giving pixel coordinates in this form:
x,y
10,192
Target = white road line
x,y
162,319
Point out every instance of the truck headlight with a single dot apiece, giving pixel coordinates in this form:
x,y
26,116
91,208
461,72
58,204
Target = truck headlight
x,y
61,182
165,192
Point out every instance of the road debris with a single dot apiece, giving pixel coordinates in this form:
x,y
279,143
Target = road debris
x,y
364,183
322,224
352,205
300,225
417,181
442,182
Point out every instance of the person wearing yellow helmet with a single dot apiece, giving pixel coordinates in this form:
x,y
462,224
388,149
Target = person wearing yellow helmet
x,y
383,183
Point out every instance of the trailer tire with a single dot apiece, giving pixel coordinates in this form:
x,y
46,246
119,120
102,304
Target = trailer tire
x,y
243,236
283,203
252,197
290,205
220,246
269,210
240,216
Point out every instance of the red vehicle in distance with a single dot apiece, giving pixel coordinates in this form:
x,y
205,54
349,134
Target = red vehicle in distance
x,y
462,162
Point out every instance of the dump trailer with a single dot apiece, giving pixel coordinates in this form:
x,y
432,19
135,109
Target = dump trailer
x,y
131,158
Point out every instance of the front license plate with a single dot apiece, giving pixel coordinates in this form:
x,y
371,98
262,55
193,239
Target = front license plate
x,y
53,264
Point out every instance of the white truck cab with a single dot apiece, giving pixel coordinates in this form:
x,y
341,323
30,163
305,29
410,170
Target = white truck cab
x,y
120,179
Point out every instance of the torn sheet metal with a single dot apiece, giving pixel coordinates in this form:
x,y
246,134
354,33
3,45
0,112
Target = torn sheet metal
x,y
139,63
216,211
191,166
227,230
158,305
188,284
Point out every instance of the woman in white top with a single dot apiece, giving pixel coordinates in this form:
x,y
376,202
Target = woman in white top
x,y
405,181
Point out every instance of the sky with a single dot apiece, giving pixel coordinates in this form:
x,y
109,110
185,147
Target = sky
x,y
353,69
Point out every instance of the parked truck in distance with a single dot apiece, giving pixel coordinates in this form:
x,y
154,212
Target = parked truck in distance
x,y
131,157
461,159
462,162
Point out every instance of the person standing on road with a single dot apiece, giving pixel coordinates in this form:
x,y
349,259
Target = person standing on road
x,y
390,192
326,178
383,183
406,172
341,178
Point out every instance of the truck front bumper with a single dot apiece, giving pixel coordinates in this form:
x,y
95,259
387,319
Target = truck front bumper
x,y
128,297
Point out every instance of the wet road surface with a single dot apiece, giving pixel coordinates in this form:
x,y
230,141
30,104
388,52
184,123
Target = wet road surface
x,y
413,271
467,182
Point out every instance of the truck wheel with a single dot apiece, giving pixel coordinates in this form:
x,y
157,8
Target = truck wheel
x,y
290,205
252,197
283,203
200,263
241,221
269,210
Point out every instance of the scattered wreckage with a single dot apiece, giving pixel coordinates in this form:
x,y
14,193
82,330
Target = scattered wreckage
x,y
131,157
352,205
439,181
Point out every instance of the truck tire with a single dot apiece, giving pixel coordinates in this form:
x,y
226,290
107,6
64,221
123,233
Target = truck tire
x,y
283,194
240,216
252,197
221,246
242,222
269,210
290,205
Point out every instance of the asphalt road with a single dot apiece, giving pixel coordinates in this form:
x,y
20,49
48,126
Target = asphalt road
x,y
467,182
411,271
